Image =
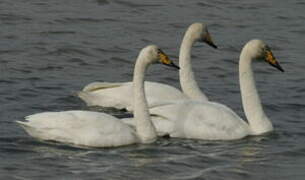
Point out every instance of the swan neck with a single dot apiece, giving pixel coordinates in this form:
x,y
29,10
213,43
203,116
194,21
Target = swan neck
x,y
144,127
187,79
257,119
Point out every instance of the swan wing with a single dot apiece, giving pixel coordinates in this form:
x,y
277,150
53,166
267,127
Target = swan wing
x,y
83,128
120,95
117,95
94,86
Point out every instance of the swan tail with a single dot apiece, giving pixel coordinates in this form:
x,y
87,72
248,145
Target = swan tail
x,y
23,124
30,121
31,130
95,86
105,94
44,126
86,97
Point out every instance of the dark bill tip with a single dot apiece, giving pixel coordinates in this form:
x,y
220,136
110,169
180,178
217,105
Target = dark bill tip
x,y
210,43
173,65
278,66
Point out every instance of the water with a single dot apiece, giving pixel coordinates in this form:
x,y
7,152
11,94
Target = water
x,y
51,49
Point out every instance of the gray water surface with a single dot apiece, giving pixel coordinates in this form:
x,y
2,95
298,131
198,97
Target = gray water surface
x,y
51,49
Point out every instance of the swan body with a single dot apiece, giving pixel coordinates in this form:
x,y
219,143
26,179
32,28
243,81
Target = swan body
x,y
202,120
197,120
215,121
95,129
118,95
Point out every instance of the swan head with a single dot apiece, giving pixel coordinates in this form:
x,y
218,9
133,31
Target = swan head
x,y
199,32
155,55
257,49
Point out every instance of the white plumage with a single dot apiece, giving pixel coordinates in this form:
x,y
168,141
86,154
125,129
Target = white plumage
x,y
118,95
84,128
214,121
96,129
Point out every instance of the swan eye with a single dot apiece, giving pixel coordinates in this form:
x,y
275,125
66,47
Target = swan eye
x,y
269,57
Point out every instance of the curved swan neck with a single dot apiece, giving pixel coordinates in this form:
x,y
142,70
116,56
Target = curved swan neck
x,y
187,80
258,121
144,127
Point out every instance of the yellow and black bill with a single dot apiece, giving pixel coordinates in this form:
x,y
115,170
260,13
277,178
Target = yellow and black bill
x,y
269,57
208,39
164,59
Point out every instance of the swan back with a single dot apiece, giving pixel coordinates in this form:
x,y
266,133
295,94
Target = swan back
x,y
84,128
202,120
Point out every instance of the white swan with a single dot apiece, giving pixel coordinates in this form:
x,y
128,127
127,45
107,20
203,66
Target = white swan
x,y
95,129
118,95
214,121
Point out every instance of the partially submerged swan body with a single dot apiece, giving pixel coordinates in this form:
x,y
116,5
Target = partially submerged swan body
x,y
95,129
215,121
119,95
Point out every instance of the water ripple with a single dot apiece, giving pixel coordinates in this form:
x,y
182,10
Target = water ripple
x,y
12,18
102,2
69,51
135,5
46,33
113,50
